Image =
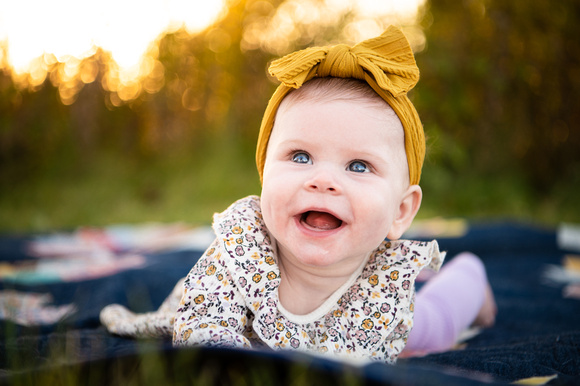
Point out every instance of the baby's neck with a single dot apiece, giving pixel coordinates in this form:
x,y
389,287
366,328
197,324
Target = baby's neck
x,y
303,298
303,292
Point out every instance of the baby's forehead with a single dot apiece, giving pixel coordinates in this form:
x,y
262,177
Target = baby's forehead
x,y
304,119
346,108
328,90
351,94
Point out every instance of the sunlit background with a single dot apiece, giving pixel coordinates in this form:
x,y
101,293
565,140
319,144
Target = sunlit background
x,y
136,111
37,35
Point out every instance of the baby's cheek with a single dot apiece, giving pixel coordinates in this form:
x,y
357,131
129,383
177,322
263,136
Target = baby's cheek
x,y
266,211
379,225
271,213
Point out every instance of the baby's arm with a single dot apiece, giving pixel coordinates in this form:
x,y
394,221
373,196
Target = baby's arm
x,y
212,312
450,302
119,320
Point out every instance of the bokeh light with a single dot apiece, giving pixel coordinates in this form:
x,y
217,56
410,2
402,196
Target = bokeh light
x,y
58,40
37,36
277,30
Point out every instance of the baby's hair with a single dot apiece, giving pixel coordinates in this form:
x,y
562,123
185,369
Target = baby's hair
x,y
336,89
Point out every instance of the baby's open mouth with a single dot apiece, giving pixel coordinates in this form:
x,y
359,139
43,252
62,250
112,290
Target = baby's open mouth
x,y
320,220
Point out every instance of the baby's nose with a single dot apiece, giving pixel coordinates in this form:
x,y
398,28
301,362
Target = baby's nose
x,y
323,181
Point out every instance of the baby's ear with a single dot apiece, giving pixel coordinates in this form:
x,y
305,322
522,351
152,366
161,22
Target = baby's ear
x,y
408,208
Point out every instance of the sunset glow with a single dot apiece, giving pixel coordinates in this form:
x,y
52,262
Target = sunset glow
x,y
57,39
37,34
303,20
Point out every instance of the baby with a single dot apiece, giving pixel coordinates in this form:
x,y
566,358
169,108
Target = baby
x,y
315,264
306,266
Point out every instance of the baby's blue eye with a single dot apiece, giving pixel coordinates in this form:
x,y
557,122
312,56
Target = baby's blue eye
x,y
358,167
301,158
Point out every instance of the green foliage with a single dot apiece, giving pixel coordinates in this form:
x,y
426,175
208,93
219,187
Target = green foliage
x,y
113,189
497,96
501,79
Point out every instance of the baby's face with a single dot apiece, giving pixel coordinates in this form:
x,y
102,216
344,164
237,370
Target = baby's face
x,y
334,178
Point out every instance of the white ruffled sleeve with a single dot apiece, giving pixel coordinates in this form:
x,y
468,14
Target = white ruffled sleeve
x,y
212,311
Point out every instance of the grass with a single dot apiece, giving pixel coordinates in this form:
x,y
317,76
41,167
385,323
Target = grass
x,y
113,190
504,195
190,187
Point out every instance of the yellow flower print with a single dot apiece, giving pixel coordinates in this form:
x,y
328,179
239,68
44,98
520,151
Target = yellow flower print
x,y
270,260
239,240
395,275
255,255
187,334
377,314
199,299
210,270
337,313
288,334
223,323
388,245
367,324
220,277
272,275
256,278
237,230
282,343
279,326
324,338
412,307
203,325
210,251
323,349
374,280
385,267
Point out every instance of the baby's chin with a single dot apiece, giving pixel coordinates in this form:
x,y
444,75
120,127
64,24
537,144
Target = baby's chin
x,y
325,261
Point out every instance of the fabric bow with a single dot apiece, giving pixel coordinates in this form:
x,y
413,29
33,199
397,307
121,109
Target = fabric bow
x,y
387,58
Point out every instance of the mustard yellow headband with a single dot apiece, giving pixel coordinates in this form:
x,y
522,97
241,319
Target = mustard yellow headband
x,y
386,63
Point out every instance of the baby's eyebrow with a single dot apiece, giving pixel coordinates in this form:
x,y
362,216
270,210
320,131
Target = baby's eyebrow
x,y
365,154
294,142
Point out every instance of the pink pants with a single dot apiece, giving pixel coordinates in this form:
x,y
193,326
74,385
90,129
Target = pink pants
x,y
447,304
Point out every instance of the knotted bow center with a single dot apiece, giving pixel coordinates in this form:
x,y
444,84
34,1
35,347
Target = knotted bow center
x,y
341,62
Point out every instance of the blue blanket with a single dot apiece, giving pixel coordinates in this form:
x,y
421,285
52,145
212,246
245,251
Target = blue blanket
x,y
537,332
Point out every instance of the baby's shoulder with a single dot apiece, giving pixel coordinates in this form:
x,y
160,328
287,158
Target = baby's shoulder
x,y
406,253
243,248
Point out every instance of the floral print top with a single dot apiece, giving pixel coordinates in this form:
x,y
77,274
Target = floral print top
x,y
231,295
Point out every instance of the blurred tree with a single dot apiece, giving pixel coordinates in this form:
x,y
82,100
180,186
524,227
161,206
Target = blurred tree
x,y
499,87
498,93
197,87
